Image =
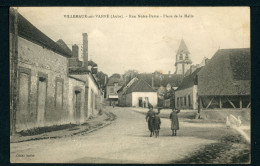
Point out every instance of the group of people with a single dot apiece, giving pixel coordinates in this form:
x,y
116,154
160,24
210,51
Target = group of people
x,y
154,121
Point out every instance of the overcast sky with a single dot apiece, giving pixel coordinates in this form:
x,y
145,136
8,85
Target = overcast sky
x,y
145,44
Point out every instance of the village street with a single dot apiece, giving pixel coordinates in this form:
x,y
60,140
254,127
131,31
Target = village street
x,y
126,140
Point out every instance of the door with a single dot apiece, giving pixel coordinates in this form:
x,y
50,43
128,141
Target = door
x,y
140,101
77,106
42,92
59,95
22,112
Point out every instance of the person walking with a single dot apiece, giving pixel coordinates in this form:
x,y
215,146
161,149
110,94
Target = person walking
x,y
150,119
175,121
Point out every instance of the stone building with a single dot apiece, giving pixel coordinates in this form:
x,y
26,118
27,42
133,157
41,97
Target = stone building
x,y
186,94
44,90
113,85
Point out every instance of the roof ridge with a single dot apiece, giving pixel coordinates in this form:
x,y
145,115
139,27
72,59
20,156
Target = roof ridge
x,y
147,83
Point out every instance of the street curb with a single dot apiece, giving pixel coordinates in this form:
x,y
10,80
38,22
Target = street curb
x,y
99,126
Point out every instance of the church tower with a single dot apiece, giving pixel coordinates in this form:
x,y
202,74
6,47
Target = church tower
x,y
183,60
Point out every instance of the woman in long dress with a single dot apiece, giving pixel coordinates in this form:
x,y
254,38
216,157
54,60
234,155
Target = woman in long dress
x,y
175,121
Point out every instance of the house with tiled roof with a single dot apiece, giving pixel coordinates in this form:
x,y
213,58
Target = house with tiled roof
x,y
186,94
225,82
39,70
113,85
44,90
138,93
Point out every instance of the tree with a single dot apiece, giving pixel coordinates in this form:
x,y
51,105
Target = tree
x,y
102,77
129,75
115,75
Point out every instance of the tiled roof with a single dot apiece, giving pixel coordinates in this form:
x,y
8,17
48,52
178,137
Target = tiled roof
x,y
29,32
161,79
92,63
227,73
188,81
140,86
63,45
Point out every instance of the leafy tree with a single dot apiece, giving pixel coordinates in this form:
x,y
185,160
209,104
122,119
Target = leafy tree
x,y
129,75
115,75
101,78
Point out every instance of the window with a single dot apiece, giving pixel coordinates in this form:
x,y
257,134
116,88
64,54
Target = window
x,y
115,84
181,56
185,100
178,101
186,57
23,97
181,101
111,90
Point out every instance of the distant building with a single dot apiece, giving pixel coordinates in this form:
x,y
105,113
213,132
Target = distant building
x,y
122,90
183,59
225,81
186,94
194,67
113,85
137,93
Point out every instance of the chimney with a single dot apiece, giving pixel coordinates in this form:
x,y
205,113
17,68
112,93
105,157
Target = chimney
x,y
85,50
75,51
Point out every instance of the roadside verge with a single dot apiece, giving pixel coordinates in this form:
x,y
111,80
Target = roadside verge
x,y
67,130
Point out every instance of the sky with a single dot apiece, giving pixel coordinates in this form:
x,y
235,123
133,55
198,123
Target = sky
x,y
144,43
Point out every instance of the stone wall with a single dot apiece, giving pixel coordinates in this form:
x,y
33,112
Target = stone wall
x,y
40,69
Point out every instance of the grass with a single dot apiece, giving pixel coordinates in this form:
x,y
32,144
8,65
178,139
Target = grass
x,y
231,148
41,130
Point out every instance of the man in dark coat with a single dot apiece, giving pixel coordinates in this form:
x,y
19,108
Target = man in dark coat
x,y
175,121
150,119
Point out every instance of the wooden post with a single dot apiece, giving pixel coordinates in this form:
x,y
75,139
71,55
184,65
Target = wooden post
x,y
231,103
220,102
240,102
210,103
249,104
199,105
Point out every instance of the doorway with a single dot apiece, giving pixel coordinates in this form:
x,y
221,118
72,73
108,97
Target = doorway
x,y
77,105
140,102
42,94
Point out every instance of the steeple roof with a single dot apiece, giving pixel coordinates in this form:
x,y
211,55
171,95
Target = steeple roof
x,y
183,48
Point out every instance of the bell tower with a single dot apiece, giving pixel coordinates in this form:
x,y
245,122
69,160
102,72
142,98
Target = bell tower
x,y
183,60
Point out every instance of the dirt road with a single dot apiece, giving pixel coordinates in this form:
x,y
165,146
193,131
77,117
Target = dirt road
x,y
126,140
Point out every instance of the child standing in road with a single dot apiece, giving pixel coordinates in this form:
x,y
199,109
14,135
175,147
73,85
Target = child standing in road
x,y
157,124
